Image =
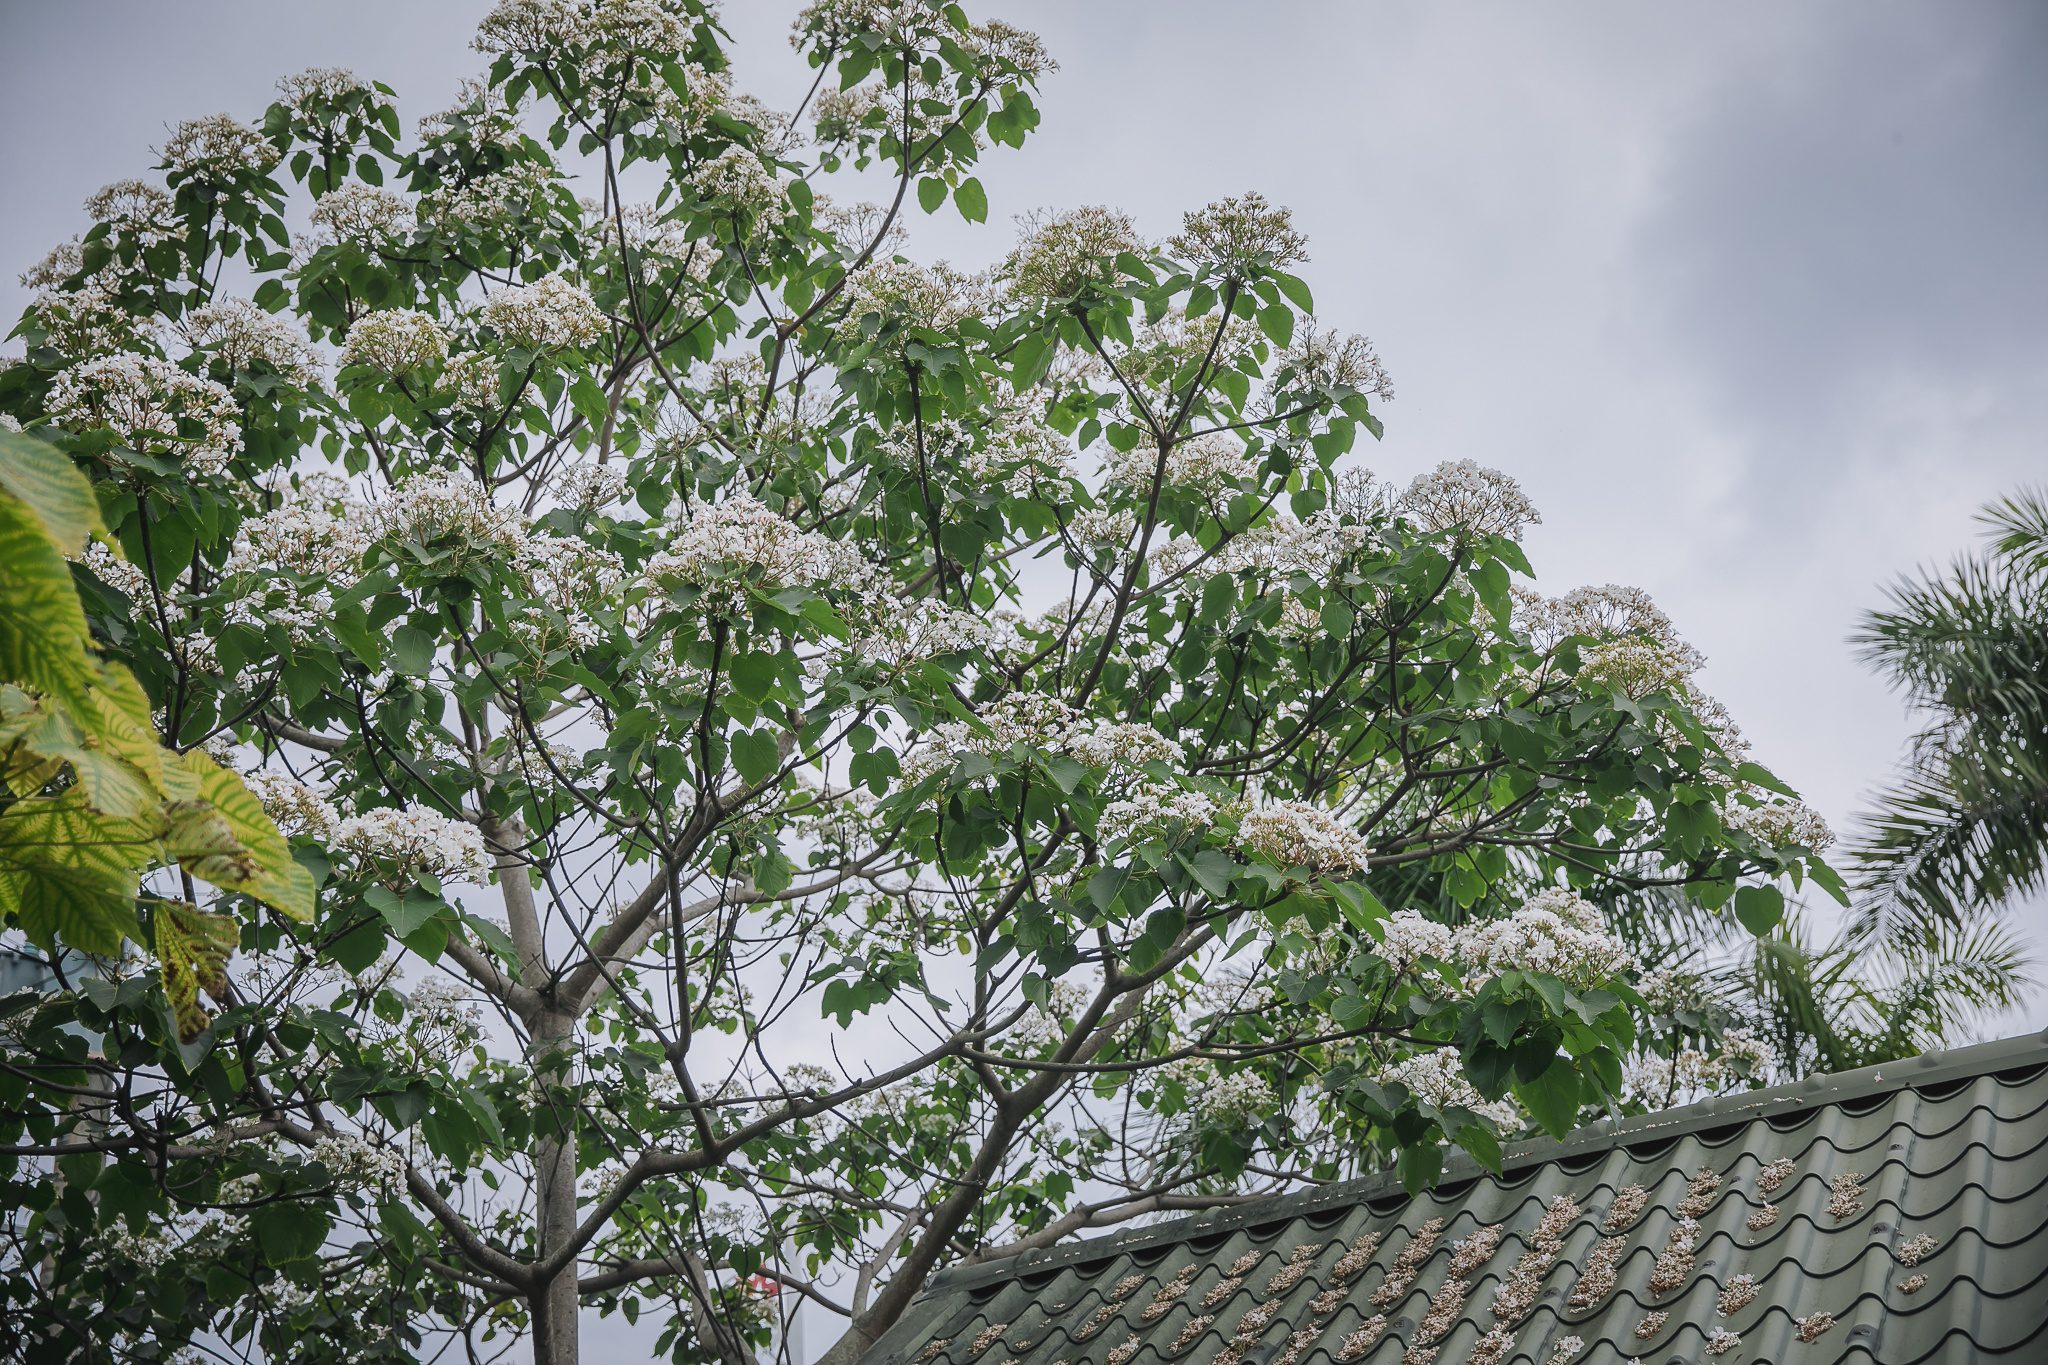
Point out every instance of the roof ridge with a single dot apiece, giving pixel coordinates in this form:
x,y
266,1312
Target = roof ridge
x,y
1929,1068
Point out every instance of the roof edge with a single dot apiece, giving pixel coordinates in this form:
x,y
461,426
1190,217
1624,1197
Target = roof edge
x,y
1929,1068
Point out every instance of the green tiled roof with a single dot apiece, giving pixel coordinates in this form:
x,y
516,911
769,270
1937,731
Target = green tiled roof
x,y
1949,1149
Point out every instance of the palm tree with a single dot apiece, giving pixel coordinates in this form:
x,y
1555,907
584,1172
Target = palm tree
x,y
1860,1002
1965,828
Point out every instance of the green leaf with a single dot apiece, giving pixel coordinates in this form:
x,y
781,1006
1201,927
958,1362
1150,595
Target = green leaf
x,y
755,754
1296,292
753,675
44,479
192,949
971,202
288,1231
405,914
1420,1166
1552,1098
1212,870
931,192
44,643
262,864
1277,322
412,651
1482,1144
1106,885
1760,908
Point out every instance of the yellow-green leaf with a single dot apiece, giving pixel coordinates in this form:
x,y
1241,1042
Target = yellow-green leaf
x,y
44,478
266,869
88,908
192,950
43,640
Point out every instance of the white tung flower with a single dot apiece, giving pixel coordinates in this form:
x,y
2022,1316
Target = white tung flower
x,y
470,380
399,341
1464,493
1438,1078
241,334
132,206
292,806
217,145
741,535
588,485
547,315
1205,465
356,1163
316,84
1779,824
1153,808
1299,834
1406,937
365,214
144,401
416,841
1556,932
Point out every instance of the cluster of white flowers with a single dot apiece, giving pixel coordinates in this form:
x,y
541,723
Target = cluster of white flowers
x,y
114,571
512,192
317,84
88,319
547,315
143,400
1232,1099
470,380
365,214
1406,937
1556,932
1101,530
1301,834
1240,234
1601,613
588,485
1059,254
1155,807
398,341
294,807
1692,1074
320,529
443,1017
935,296
903,633
1320,357
426,509
1779,824
1042,1027
739,178
217,145
740,535
132,206
1202,465
241,333
617,44
1438,1078
356,1163
1281,546
1037,721
415,841
1464,493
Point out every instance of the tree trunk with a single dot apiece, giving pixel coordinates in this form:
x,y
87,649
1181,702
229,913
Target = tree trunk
x,y
555,1308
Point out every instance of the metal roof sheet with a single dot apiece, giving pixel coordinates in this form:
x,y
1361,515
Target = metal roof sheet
x,y
1949,1146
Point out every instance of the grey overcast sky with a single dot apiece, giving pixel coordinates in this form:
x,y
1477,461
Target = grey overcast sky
x,y
1752,297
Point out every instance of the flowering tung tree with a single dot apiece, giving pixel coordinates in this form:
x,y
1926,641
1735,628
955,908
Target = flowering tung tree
x,y
817,766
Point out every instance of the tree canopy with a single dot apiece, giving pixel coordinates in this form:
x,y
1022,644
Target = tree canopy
x,y
800,766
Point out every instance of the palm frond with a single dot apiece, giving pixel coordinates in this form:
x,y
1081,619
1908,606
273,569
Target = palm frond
x,y
2019,529
1950,840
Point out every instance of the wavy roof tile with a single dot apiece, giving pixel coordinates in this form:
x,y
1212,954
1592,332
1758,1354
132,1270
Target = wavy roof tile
x,y
1911,1225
